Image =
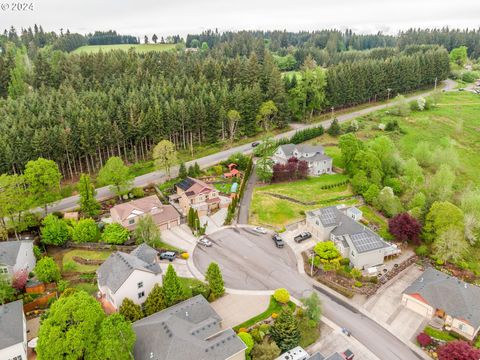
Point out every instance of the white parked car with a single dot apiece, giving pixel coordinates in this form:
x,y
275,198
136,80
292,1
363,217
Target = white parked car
x,y
205,242
260,230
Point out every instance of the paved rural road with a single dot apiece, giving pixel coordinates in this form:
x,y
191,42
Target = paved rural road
x,y
250,261
159,176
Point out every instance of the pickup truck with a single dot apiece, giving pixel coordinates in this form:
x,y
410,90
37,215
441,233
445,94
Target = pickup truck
x,y
302,236
279,243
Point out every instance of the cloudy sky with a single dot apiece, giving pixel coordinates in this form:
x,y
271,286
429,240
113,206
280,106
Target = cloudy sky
x,y
163,17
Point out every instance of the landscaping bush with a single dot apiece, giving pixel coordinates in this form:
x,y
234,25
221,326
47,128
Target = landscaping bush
x,y
86,230
47,270
185,256
439,334
248,340
115,234
54,230
422,250
358,284
458,350
282,295
469,76
69,266
137,192
423,339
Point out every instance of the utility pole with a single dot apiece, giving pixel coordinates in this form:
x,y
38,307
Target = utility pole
x,y
436,79
312,257
388,93
333,109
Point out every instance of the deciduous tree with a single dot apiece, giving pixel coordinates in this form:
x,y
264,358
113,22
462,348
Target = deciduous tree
x,y
164,156
115,234
117,175
85,230
116,338
313,307
47,270
54,231
458,350
405,228
88,203
450,245
147,231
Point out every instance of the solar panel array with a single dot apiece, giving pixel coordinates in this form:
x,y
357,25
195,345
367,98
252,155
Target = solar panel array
x,y
366,242
328,216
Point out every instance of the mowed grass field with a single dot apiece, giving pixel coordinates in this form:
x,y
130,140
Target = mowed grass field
x,y
266,209
138,47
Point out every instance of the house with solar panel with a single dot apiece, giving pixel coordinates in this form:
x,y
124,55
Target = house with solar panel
x,y
314,155
188,330
354,240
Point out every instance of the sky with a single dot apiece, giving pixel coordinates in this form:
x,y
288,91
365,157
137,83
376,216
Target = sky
x,y
146,17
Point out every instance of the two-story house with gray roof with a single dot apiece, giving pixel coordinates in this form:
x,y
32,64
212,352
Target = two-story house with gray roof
x,y
16,256
188,330
13,331
355,241
314,155
130,276
450,300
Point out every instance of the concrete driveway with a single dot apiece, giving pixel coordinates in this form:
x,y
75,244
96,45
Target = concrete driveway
x,y
180,237
234,309
250,261
386,306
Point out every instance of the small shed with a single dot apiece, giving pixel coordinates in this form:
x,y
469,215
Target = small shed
x,y
71,215
234,188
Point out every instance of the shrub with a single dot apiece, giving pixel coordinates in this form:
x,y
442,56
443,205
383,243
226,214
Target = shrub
x,y
115,234
257,335
422,250
274,316
244,330
358,284
47,270
248,340
86,230
469,76
185,255
37,252
458,350
54,230
423,339
282,295
69,266
137,192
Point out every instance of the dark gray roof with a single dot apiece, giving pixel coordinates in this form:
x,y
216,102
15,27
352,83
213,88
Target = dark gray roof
x,y
185,184
119,265
303,148
457,298
316,157
316,356
362,238
188,330
11,324
335,356
9,251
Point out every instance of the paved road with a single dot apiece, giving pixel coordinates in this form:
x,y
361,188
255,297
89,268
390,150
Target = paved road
x,y
158,177
250,261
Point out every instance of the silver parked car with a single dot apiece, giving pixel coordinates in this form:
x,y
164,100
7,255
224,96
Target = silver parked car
x,y
260,230
205,242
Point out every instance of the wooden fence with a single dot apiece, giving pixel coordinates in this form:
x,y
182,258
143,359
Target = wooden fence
x,y
39,303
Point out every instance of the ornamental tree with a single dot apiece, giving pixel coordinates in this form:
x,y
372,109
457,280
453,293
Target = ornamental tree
x,y
405,228
313,306
265,351
115,234
147,231
284,330
424,339
20,279
130,311
282,295
47,270
88,203
215,280
172,288
54,231
116,338
164,156
458,350
86,230
326,250
116,174
71,328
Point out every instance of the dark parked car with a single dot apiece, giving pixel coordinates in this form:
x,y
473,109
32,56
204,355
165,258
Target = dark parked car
x,y
279,243
255,144
302,236
168,255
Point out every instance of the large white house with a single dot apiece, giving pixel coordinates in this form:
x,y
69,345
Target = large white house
x,y
130,276
16,256
355,241
314,155
453,302
13,332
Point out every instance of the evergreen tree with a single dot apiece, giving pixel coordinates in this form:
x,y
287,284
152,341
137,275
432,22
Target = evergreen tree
x,y
284,330
182,171
197,170
172,288
155,301
191,171
215,280
334,129
130,311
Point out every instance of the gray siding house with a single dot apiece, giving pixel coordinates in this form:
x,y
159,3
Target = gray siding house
x,y
355,241
314,155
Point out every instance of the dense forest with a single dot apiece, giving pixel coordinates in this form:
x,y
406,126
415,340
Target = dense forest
x,y
81,109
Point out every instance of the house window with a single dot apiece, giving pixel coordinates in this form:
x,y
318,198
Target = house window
x,y
353,253
461,327
131,221
140,285
3,270
19,357
141,294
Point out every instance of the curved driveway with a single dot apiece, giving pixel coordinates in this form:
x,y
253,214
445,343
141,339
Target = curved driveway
x,y
250,261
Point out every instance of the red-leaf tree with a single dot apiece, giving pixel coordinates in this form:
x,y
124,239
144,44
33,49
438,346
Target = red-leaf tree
x,y
20,279
424,339
458,350
292,170
405,228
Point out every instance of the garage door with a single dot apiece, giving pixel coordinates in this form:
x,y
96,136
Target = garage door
x,y
417,307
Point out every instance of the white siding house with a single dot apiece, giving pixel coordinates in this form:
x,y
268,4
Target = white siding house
x,y
130,276
16,256
13,332
318,162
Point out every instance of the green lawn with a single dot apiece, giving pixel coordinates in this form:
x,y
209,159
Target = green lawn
x,y
89,288
138,47
71,265
273,307
336,154
269,210
379,221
